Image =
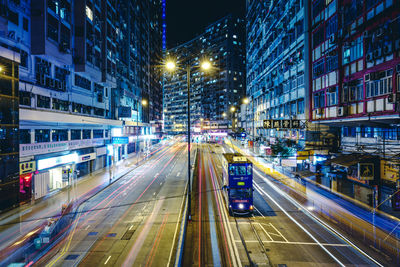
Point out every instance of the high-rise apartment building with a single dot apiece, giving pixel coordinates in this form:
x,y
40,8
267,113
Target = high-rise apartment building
x,y
355,73
84,69
213,92
277,70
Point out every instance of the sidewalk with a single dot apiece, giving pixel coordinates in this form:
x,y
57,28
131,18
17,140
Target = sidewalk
x,y
23,220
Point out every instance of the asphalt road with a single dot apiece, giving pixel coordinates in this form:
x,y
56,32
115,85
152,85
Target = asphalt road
x,y
280,231
133,222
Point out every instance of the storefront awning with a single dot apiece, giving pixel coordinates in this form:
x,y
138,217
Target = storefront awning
x,y
347,160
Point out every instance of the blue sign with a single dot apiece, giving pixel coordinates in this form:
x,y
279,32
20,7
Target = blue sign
x,y
243,134
120,140
124,112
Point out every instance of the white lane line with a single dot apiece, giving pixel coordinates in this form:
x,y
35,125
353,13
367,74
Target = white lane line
x,y
130,228
87,227
260,190
296,243
179,174
278,232
176,228
265,231
259,212
109,257
316,219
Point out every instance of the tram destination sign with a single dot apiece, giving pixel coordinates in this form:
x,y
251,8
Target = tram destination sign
x,y
282,124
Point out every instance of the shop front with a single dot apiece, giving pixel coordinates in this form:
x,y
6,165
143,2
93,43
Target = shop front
x,y
356,176
85,164
53,173
26,170
390,184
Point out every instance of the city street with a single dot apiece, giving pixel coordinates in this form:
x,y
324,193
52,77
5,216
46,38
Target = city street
x,y
132,222
279,231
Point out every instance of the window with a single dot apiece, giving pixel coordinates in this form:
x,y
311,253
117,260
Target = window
x,y
89,13
60,105
24,136
332,63
59,135
43,101
13,17
318,68
8,139
300,106
331,26
367,132
25,24
9,111
76,134
319,99
331,96
353,50
42,136
356,92
318,37
97,133
52,28
86,134
380,86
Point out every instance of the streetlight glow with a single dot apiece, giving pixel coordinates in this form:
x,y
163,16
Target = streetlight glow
x,y
246,101
206,65
233,109
170,65
144,102
224,114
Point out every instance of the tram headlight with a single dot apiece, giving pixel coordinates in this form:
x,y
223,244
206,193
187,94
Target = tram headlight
x,y
251,207
241,206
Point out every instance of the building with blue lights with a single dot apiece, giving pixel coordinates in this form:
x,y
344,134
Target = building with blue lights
x,y
84,69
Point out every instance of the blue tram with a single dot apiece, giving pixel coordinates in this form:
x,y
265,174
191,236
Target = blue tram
x,y
238,183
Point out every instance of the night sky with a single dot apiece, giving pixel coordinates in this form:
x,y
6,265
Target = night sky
x,y
188,18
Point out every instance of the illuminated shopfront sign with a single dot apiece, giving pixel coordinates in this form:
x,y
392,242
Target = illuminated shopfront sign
x,y
51,162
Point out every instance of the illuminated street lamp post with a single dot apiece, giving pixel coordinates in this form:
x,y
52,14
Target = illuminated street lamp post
x,y
171,66
233,109
144,103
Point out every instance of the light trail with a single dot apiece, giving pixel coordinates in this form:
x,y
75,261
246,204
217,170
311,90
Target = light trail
x,y
310,215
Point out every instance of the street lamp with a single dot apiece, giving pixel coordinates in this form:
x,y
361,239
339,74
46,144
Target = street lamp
x,y
144,103
171,66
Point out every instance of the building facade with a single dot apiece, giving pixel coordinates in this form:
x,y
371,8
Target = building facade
x,y
84,69
355,87
212,93
276,69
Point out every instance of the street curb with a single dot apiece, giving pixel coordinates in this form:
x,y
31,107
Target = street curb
x,y
182,232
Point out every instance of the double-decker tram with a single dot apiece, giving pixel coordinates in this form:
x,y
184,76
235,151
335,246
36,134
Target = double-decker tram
x,y
238,183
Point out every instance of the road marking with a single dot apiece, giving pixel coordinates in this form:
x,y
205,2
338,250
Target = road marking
x,y
296,243
278,232
265,231
179,174
109,257
87,227
176,228
130,228
161,183
260,190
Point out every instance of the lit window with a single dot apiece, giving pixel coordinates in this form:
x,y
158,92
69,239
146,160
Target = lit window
x,y
89,13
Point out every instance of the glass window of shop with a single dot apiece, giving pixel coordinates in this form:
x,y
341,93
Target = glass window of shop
x,y
98,134
86,134
42,136
76,134
59,135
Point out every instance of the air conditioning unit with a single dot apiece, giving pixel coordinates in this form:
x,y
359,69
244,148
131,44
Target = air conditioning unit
x,y
341,111
369,57
378,53
388,49
392,98
59,85
63,47
366,34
